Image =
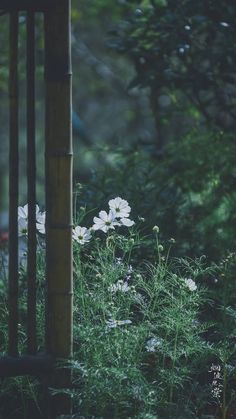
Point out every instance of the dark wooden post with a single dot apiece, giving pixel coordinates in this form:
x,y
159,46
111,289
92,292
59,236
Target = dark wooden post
x,y
31,181
58,158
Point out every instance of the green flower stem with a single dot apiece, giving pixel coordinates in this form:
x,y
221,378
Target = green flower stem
x,y
81,288
225,298
173,363
175,351
167,256
224,406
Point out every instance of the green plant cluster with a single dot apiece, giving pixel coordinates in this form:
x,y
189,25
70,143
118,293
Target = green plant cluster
x,y
149,329
189,191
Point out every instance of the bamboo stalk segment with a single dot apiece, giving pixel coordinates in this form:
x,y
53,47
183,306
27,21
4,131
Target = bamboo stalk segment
x,y
13,185
31,183
58,159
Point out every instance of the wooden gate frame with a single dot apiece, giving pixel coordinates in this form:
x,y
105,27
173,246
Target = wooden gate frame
x,y
58,187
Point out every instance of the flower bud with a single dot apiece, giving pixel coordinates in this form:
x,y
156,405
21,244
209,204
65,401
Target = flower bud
x,y
156,229
79,186
110,240
160,248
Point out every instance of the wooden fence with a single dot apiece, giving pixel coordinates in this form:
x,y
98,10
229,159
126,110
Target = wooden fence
x,y
58,189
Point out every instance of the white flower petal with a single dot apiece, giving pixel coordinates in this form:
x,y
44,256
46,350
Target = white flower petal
x,y
83,230
40,217
125,205
40,227
103,215
22,227
23,211
105,228
97,226
127,222
25,207
97,220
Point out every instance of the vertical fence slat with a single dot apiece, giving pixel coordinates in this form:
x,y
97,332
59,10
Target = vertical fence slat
x,y
31,184
13,185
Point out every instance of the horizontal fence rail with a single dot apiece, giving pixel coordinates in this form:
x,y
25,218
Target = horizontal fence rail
x,y
26,365
26,5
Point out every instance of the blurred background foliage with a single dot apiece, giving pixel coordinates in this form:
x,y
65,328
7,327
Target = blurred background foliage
x,y
154,103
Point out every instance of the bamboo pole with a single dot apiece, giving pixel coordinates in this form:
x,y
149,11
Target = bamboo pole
x,y
31,183
58,159
13,185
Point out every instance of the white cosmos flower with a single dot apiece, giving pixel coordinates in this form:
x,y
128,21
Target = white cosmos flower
x,y
119,286
225,24
153,344
81,234
23,211
114,323
105,221
23,220
190,284
120,207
